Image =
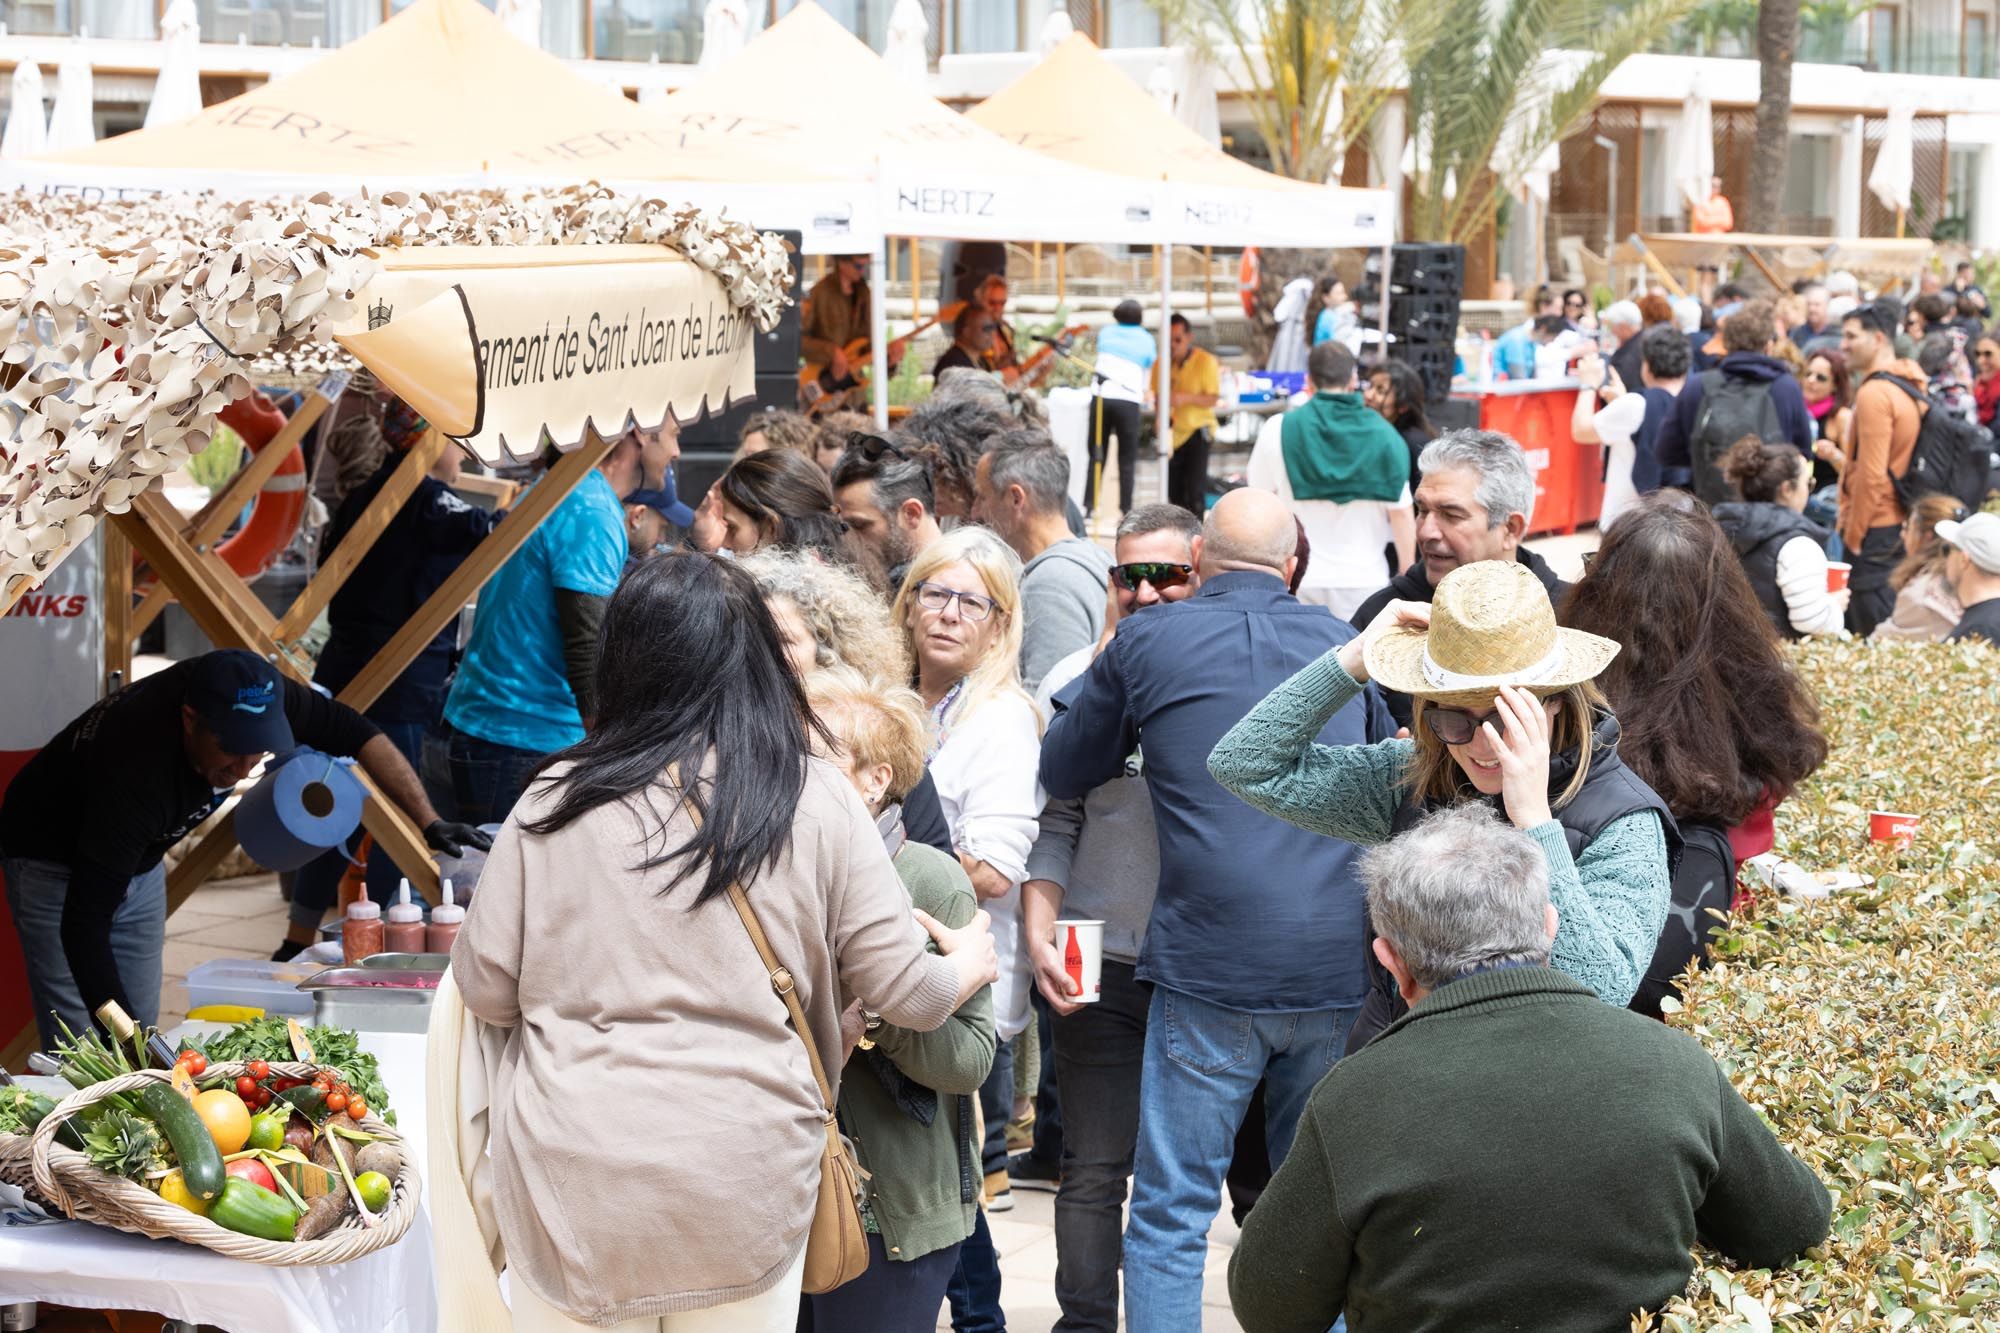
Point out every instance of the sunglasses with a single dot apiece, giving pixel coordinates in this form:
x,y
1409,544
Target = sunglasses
x,y
936,597
1817,375
872,446
1160,573
1456,726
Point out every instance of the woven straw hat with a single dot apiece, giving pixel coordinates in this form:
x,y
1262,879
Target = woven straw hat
x,y
1491,625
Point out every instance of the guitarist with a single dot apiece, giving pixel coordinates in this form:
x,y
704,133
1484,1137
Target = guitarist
x,y
973,340
837,314
1001,358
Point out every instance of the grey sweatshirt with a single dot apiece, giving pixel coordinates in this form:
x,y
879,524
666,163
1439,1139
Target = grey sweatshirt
x,y
1062,604
1101,849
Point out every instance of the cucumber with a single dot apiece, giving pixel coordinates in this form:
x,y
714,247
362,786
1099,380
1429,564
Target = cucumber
x,y
252,1210
194,1148
34,1108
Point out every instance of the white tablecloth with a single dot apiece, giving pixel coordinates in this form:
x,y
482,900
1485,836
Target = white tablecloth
x,y
92,1267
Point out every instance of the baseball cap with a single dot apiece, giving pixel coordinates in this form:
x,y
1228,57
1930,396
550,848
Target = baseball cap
x,y
666,498
1978,537
238,694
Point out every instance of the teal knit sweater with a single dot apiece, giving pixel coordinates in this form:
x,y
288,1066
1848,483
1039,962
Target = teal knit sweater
x,y
1612,900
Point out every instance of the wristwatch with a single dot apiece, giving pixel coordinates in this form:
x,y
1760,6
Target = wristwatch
x,y
870,1025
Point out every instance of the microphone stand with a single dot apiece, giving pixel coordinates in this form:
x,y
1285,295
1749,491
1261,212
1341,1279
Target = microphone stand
x,y
1061,347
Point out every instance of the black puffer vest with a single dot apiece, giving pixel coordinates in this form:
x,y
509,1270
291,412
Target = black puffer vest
x,y
1759,531
1610,792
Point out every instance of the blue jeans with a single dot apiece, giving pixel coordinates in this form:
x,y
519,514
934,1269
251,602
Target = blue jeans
x,y
35,893
487,779
974,1289
891,1297
1203,1062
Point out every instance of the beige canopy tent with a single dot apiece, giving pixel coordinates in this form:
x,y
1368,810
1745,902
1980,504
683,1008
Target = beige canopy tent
x,y
127,327
1674,257
441,96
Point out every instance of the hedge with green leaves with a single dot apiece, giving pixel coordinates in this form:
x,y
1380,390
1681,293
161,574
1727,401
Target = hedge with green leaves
x,y
1866,1027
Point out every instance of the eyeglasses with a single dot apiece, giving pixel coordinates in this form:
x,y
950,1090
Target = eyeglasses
x,y
936,597
1160,573
1456,726
1575,301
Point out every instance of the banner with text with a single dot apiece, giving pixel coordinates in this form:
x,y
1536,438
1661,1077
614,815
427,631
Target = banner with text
x,y
496,346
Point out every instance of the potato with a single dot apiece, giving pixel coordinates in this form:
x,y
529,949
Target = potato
x,y
323,1215
381,1157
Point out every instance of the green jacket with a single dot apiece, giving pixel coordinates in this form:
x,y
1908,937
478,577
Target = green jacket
x,y
1513,1153
915,1191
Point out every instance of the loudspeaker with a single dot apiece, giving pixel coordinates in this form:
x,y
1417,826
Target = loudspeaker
x,y
1453,413
721,430
1433,361
1419,269
778,351
1423,319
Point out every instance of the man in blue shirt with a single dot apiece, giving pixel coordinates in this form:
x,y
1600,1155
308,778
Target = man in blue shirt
x,y
1256,946
524,688
1126,354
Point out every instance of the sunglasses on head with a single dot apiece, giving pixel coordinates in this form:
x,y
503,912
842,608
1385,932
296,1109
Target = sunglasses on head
x,y
1160,573
873,446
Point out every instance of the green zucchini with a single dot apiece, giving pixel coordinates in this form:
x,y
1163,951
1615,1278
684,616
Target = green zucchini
x,y
252,1210
31,1108
194,1148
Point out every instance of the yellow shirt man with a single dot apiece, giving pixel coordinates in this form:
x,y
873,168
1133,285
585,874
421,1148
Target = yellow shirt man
x,y
1199,375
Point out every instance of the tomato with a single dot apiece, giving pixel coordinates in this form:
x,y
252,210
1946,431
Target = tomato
x,y
374,1189
336,1101
246,1087
343,1089
357,1109
196,1062
260,1069
254,1171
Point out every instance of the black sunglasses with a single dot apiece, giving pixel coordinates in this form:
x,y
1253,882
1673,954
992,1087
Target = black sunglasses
x,y
872,446
1160,573
1456,726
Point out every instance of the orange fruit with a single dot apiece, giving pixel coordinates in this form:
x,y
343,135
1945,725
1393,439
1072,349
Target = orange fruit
x,y
227,1118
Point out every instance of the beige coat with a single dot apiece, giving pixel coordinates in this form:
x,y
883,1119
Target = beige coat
x,y
656,1131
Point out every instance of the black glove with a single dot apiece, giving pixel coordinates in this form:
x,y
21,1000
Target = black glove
x,y
452,839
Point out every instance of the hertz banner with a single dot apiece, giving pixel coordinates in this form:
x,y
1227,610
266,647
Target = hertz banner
x,y
497,345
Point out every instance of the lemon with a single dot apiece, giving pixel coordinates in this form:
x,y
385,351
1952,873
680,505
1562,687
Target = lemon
x,y
174,1190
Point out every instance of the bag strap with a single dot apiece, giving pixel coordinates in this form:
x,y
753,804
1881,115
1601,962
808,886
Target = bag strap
x,y
782,980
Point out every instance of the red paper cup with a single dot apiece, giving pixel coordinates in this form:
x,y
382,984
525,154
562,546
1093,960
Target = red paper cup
x,y
1893,826
1837,573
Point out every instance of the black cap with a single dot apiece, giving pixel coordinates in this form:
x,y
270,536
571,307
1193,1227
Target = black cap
x,y
238,694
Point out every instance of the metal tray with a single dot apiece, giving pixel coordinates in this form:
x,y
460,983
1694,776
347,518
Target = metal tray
x,y
407,962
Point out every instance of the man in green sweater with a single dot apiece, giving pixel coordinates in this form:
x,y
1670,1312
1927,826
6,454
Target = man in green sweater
x,y
1513,1153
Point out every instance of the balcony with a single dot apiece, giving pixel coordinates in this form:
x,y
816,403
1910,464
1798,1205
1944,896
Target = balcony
x,y
75,18
1881,39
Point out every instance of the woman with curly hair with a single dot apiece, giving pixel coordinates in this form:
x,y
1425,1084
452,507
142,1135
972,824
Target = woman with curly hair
x,y
828,616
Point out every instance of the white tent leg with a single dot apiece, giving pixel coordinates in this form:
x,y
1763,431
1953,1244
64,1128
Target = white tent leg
x,y
1388,274
1163,256
878,330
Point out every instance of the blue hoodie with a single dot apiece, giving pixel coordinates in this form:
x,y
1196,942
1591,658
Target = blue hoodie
x,y
1671,446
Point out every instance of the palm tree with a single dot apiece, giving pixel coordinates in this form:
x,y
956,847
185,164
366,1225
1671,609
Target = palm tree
x,y
1501,84
1777,43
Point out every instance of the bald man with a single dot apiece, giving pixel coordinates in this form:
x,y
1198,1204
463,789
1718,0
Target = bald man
x,y
1256,946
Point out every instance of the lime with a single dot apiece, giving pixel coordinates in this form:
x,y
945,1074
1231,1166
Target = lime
x,y
268,1131
373,1187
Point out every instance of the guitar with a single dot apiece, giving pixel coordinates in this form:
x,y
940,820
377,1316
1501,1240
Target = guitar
x,y
1043,359
820,392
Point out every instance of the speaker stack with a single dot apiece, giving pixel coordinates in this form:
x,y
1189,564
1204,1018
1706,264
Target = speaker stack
x,y
1426,283
715,435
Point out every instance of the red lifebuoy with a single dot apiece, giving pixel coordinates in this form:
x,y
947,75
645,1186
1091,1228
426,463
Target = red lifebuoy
x,y
280,505
1249,278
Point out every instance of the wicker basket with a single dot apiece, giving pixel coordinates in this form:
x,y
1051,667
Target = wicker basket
x,y
66,1179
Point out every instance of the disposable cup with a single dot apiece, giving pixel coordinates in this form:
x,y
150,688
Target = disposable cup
x,y
1080,945
1893,826
1836,575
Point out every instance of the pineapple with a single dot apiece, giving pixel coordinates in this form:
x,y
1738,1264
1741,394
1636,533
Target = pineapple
x,y
124,1145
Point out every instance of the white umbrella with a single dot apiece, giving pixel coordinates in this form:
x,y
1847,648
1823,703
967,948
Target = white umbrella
x,y
725,27
1160,86
1693,156
1194,98
652,95
72,125
1056,29
1895,168
27,133
177,92
523,18
908,49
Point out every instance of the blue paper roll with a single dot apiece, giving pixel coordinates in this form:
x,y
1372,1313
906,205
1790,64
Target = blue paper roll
x,y
306,803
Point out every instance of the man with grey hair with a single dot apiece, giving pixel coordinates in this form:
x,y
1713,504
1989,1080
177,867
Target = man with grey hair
x,y
1256,947
1509,1102
1474,503
1624,322
1018,490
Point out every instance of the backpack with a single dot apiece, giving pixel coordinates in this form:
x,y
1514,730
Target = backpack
x,y
1730,409
1952,456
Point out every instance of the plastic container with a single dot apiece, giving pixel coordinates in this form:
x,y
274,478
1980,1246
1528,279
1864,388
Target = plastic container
x,y
362,934
251,983
405,931
446,918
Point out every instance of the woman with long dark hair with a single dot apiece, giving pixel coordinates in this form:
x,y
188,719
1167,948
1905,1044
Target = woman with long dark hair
x,y
1783,552
1396,390
637,1000
1927,608
779,498
1714,718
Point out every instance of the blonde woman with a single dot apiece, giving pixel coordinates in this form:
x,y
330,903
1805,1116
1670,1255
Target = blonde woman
x,y
960,606
906,1097
828,616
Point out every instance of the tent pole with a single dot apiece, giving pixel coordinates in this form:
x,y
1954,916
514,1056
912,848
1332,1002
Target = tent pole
x,y
1163,259
878,330
1388,274
1208,278
916,283
1062,256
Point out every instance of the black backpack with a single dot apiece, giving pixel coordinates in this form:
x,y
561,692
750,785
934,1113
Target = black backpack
x,y
1952,456
1730,409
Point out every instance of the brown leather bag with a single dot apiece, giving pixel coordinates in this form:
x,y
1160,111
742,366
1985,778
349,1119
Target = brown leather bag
x,y
837,1244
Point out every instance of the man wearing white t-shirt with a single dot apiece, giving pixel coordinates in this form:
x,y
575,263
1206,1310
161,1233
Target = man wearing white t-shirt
x,y
1337,453
1624,420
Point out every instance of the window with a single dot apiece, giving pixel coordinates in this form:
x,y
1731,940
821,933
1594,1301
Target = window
x,y
68,18
1132,23
1808,203
1661,207
866,19
1883,48
272,22
642,29
1962,201
979,26
1978,54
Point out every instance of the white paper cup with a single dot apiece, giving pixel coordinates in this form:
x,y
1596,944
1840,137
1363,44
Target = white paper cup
x,y
1080,946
